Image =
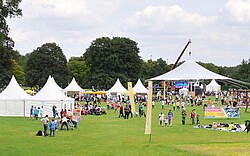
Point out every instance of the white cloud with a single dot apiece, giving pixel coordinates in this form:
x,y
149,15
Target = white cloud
x,y
236,11
167,19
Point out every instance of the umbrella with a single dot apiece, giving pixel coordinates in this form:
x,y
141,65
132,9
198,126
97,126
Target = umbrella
x,y
89,92
29,91
127,93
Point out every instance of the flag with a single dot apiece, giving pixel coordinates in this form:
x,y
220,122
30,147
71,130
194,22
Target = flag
x,y
149,109
131,97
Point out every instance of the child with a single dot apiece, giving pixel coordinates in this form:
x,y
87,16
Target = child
x,y
166,121
174,106
52,126
136,114
198,118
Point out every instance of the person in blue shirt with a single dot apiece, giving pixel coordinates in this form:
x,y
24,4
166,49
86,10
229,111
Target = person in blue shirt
x,y
170,117
36,112
31,113
52,126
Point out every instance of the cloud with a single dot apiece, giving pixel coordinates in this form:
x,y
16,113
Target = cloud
x,y
236,12
167,19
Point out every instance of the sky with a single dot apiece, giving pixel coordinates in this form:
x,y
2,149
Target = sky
x,y
219,29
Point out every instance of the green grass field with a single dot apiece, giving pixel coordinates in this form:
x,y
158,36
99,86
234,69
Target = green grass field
x,y
110,135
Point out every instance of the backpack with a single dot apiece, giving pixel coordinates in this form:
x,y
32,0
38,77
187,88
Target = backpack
x,y
39,133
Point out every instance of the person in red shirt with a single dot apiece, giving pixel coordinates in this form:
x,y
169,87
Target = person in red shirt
x,y
121,112
192,117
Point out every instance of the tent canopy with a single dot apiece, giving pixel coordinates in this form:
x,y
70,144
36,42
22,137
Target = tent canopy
x,y
13,91
51,91
213,86
73,86
117,88
189,70
139,88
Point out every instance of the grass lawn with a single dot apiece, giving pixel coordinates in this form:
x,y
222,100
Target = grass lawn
x,y
110,135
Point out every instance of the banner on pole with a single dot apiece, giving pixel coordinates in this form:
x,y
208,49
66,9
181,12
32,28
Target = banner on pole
x,y
216,112
131,97
77,114
149,109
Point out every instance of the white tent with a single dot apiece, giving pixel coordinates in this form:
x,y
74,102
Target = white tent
x,y
213,86
189,70
51,94
73,87
12,99
184,91
139,88
117,88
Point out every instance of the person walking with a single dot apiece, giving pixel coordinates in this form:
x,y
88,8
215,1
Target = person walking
x,y
116,108
170,117
36,112
161,118
45,122
52,126
121,112
31,113
183,114
139,107
41,112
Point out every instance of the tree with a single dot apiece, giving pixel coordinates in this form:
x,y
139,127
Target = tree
x,y
78,69
44,61
18,72
8,9
243,72
109,59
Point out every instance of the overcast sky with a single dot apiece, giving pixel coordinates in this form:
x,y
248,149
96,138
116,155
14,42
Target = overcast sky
x,y
219,29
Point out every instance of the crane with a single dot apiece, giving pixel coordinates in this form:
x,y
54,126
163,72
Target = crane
x,y
176,62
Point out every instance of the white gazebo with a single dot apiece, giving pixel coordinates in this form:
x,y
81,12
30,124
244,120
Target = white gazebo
x,y
184,91
213,86
117,88
13,99
73,88
139,88
51,94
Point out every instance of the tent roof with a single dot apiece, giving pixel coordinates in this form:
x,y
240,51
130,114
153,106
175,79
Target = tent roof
x,y
139,87
213,83
73,86
51,91
189,70
13,91
117,88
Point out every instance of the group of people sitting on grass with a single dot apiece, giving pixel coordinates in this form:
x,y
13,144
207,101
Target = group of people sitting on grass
x,y
89,109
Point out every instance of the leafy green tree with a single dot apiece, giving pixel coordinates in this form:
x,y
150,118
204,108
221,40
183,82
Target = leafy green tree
x,y
78,69
44,61
8,9
243,72
109,59
18,72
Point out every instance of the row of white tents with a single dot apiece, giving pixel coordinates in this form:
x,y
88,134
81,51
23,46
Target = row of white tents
x,y
14,101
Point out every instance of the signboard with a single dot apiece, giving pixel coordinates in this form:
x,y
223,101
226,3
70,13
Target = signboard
x,y
131,97
216,112
77,114
149,109
181,85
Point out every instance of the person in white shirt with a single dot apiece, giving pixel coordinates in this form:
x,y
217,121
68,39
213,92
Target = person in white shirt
x,y
41,111
153,104
242,127
64,122
161,118
45,122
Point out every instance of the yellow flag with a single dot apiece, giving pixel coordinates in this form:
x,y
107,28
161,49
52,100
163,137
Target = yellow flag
x,y
131,97
149,109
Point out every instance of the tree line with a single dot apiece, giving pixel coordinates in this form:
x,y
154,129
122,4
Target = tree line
x,y
105,60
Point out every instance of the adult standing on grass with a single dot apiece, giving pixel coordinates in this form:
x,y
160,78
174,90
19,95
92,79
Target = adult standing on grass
x,y
31,113
52,126
64,122
126,109
45,122
143,110
36,112
161,118
139,107
54,110
183,114
41,112
192,117
116,108
170,117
